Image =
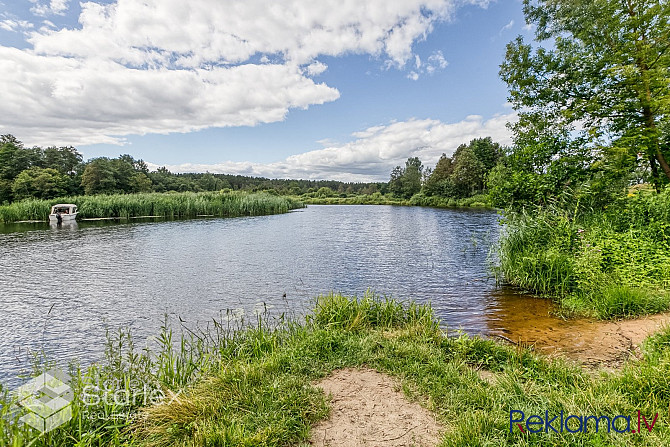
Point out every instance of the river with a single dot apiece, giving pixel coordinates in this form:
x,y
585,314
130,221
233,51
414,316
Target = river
x,y
61,287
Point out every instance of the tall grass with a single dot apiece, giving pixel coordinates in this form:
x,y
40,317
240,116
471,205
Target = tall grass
x,y
610,263
170,205
252,385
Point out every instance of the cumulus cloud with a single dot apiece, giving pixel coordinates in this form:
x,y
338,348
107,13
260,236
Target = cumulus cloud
x,y
373,152
140,66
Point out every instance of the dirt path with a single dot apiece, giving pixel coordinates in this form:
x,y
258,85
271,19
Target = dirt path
x,y
368,409
592,343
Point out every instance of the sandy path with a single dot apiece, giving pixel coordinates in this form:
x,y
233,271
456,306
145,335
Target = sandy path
x,y
369,410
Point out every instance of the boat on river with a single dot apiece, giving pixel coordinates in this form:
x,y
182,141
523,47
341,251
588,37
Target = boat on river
x,y
63,212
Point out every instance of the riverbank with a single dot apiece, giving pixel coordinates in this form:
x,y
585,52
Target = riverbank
x,y
258,385
607,264
169,205
477,201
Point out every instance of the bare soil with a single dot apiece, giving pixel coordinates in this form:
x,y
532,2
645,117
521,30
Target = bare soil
x,y
368,409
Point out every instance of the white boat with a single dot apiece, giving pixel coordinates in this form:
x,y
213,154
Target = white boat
x,y
63,212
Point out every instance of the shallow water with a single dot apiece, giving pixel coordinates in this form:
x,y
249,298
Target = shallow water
x,y
60,287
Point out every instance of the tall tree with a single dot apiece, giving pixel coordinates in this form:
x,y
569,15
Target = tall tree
x,y
412,176
606,75
396,181
468,171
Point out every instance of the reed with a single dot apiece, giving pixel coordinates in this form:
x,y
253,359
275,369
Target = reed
x,y
609,263
168,205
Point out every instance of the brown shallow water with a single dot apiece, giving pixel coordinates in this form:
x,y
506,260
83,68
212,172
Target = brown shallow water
x,y
531,322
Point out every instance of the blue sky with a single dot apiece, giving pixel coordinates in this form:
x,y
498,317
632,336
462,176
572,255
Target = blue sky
x,y
335,89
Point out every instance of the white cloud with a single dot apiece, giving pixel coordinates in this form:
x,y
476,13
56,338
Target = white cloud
x,y
59,100
141,66
435,62
15,25
509,25
374,152
316,68
58,7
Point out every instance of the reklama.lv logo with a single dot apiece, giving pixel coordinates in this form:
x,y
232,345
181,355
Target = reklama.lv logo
x,y
579,424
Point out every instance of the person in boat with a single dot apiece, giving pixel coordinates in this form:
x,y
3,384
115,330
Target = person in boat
x,y
59,218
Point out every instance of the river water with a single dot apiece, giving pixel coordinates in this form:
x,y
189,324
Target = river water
x,y
61,287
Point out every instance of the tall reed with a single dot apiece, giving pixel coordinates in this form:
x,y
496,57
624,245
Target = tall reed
x,y
169,205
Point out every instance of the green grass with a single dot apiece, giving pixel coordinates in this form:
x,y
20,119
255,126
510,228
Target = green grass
x,y
253,385
169,205
613,263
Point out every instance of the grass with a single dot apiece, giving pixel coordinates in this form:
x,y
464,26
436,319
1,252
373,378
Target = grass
x,y
169,205
613,263
252,385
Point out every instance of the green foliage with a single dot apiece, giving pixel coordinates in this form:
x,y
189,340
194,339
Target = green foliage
x,y
611,263
405,182
39,183
464,174
607,73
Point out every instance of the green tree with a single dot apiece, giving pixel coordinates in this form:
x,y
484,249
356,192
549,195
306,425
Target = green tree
x,y
439,182
468,171
411,183
487,152
39,183
99,177
14,159
606,78
140,182
325,192
66,160
396,181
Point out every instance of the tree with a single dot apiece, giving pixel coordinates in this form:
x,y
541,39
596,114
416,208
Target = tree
x,y
396,181
99,177
436,184
14,159
65,160
468,172
487,152
606,78
412,177
40,183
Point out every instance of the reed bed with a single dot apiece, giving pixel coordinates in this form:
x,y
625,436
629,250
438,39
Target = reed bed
x,y
168,205
610,263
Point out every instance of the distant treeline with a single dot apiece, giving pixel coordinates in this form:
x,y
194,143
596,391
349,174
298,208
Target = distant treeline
x,y
46,173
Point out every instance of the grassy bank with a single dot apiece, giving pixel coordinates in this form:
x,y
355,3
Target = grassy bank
x,y
478,201
253,386
172,205
609,264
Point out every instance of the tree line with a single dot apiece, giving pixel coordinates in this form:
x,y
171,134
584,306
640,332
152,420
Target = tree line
x,y
46,173
462,175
